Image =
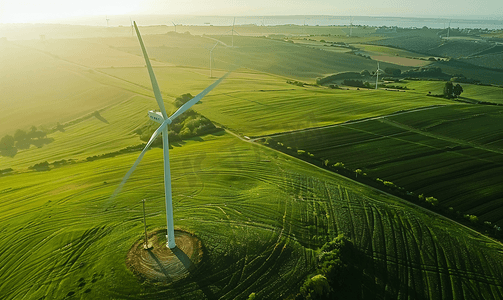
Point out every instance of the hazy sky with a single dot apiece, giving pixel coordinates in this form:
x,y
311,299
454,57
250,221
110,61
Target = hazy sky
x,y
22,11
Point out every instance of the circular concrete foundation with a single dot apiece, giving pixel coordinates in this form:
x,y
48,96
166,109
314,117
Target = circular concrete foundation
x,y
161,264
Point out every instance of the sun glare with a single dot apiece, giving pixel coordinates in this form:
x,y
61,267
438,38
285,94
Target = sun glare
x,y
32,11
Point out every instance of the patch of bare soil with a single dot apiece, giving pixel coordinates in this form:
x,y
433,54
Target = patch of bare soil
x,y
161,264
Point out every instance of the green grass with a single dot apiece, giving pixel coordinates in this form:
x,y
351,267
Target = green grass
x,y
471,92
388,51
41,90
260,215
267,55
256,113
453,153
257,104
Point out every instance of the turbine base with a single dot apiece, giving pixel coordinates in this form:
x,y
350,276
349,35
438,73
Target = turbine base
x,y
162,264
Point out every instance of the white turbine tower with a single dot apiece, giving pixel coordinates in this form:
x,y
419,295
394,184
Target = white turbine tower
x,y
233,22
174,25
211,57
351,26
162,118
132,29
377,73
107,20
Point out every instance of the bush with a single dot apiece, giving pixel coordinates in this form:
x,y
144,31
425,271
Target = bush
x,y
316,287
43,166
432,200
354,83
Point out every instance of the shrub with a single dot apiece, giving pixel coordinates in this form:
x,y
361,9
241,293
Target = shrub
x,y
316,287
432,200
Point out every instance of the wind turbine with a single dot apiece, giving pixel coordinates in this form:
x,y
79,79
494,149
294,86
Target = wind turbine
x,y
174,25
233,22
377,73
132,29
351,26
107,20
162,118
211,51
449,29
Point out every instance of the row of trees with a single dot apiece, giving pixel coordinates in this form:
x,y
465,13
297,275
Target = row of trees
x,y
9,145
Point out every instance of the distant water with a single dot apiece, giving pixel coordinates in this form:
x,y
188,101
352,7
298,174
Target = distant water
x,y
405,22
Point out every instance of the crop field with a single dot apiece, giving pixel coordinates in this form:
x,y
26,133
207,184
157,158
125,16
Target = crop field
x,y
275,56
381,50
259,214
265,104
493,61
459,48
453,153
488,76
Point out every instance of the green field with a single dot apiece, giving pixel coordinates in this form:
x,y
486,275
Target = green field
x,y
256,104
261,215
454,153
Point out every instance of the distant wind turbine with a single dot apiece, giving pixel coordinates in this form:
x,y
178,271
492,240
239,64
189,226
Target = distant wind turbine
x,y
233,31
107,20
162,118
132,29
174,25
350,26
377,73
211,58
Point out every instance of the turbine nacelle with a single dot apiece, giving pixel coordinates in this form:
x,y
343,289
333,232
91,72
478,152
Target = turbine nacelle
x,y
156,116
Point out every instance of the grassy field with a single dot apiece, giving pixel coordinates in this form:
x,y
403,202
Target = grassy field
x,y
41,90
453,153
267,55
471,92
257,104
259,214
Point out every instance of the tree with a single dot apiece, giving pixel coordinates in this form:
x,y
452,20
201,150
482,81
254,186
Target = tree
x,y
365,73
20,135
393,71
179,101
448,90
7,142
457,90
316,287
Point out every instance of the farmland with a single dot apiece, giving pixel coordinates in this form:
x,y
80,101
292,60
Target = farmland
x,y
260,214
252,107
453,153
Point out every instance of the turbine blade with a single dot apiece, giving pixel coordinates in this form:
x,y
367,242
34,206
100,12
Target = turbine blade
x,y
155,86
128,174
199,96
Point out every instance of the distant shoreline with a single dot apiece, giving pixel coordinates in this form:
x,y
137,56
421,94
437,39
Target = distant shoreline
x,y
309,20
